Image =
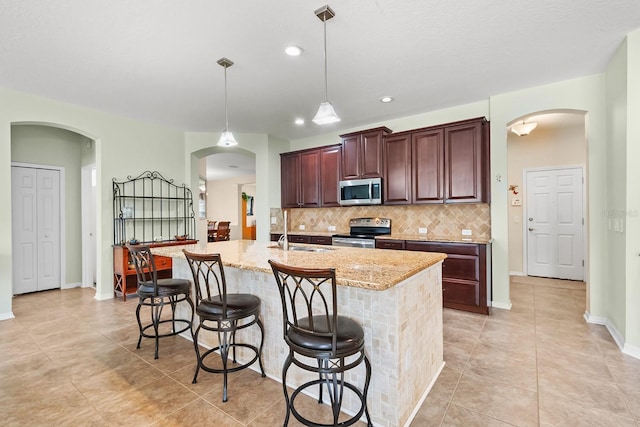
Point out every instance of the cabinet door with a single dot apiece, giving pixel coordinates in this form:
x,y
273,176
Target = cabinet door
x,y
310,179
464,161
397,170
330,175
351,157
371,158
290,180
427,154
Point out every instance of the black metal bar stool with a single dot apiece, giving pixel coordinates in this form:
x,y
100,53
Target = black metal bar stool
x,y
156,293
227,314
313,329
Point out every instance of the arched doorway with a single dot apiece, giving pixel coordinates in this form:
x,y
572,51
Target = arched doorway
x,y
46,146
547,185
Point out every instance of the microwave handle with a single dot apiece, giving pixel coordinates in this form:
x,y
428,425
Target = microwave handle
x,y
370,190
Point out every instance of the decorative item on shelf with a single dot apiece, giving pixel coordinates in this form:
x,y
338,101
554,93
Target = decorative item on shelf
x,y
127,212
182,237
226,139
513,188
523,129
326,114
133,241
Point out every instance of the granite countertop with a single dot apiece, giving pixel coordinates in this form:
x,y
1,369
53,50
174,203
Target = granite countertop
x,y
311,233
357,267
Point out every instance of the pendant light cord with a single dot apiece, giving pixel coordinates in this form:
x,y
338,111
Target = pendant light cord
x,y
326,85
226,116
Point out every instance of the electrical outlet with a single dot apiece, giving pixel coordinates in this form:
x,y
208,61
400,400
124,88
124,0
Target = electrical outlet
x,y
274,220
332,228
301,226
466,232
422,230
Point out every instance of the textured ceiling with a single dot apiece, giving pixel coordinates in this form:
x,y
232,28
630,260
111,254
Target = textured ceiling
x,y
155,60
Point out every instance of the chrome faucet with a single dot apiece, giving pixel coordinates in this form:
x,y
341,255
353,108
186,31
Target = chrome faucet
x,y
283,241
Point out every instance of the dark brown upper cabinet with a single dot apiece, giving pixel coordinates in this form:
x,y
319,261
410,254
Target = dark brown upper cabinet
x,y
440,164
330,173
362,155
397,169
300,179
466,153
309,178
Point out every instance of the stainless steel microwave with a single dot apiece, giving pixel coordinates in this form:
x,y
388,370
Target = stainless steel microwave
x,y
361,192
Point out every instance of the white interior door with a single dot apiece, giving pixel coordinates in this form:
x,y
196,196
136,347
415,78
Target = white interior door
x,y
554,223
35,229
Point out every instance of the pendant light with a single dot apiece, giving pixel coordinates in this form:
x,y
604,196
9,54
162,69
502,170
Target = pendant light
x,y
326,114
226,139
523,129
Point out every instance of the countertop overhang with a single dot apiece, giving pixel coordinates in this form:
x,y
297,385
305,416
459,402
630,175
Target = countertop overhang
x,y
374,269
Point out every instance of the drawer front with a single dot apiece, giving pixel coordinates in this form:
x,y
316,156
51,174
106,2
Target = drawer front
x,y
459,292
163,263
390,244
463,267
447,248
320,240
296,238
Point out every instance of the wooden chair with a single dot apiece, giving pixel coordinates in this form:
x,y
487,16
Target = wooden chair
x,y
211,231
223,231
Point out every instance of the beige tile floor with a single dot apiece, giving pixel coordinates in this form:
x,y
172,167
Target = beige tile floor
x,y
67,359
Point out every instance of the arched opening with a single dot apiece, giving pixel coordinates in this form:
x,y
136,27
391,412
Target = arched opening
x,y
43,146
227,175
547,198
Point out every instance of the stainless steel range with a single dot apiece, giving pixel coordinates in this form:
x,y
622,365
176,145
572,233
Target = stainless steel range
x,y
362,232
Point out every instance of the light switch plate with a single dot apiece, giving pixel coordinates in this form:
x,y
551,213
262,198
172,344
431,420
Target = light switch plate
x,y
466,232
301,226
332,228
422,230
274,220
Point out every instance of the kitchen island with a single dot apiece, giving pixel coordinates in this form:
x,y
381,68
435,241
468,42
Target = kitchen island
x,y
396,296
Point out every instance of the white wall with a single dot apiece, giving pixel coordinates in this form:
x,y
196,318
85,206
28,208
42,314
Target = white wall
x,y
224,203
123,147
615,208
632,337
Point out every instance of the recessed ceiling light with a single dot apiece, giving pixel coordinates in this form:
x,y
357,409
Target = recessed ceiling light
x,y
299,122
386,99
293,51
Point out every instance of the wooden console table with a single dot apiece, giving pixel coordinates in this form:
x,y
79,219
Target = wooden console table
x,y
124,272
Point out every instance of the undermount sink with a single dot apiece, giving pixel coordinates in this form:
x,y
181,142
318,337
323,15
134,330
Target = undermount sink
x,y
304,248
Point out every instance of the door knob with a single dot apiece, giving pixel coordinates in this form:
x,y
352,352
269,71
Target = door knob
x,y
530,219
530,228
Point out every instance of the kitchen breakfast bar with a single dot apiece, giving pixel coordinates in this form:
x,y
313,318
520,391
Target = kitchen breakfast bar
x,y
395,295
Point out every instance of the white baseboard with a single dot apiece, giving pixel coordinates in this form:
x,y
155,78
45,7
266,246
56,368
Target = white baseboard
x,y
501,305
104,296
71,285
628,349
516,273
7,316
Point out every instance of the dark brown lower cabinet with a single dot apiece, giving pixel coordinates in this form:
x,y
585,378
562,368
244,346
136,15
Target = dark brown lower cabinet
x,y
466,274
300,238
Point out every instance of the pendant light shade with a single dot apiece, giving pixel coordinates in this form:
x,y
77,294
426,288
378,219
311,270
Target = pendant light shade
x,y
226,139
523,129
326,114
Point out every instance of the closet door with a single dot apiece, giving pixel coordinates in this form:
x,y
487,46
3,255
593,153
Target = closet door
x,y
35,229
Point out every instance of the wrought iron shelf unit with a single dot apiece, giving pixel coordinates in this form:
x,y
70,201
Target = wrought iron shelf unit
x,y
150,208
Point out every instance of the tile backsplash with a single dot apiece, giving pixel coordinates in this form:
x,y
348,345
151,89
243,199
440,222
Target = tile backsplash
x,y
440,220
